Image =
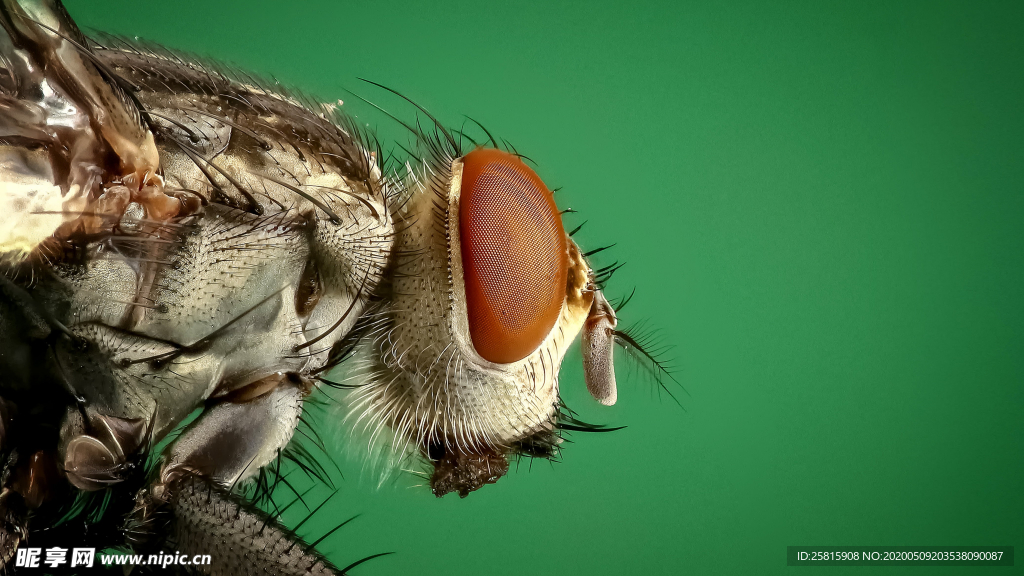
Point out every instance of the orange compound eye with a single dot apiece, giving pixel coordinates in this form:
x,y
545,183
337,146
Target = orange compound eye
x,y
514,257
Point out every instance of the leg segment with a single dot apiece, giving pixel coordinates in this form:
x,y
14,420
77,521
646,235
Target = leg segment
x,y
191,506
234,439
206,519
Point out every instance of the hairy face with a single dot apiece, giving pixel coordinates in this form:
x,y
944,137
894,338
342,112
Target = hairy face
x,y
488,293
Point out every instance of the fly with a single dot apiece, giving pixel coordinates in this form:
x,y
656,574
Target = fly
x,y
174,237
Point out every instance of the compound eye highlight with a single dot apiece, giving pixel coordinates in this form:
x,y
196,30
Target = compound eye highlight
x,y
514,256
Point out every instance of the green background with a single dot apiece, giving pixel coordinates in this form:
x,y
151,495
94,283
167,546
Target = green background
x,y
821,206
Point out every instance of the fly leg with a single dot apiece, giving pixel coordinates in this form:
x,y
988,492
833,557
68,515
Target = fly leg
x,y
243,432
191,508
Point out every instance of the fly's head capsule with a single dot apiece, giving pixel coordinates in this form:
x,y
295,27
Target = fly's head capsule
x,y
487,294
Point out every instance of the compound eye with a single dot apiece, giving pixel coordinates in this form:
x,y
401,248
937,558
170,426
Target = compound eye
x,y
514,256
